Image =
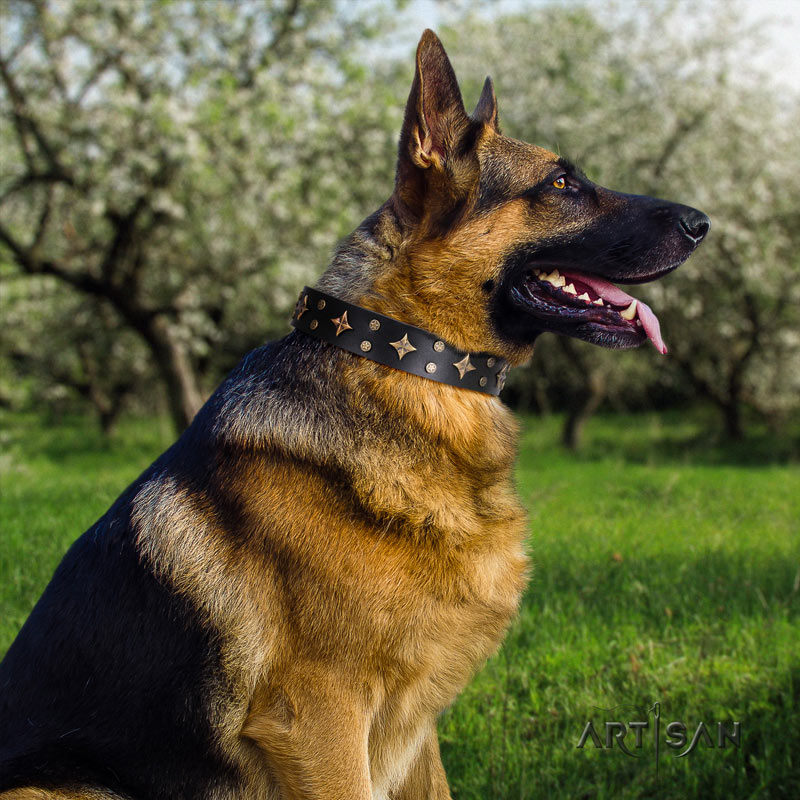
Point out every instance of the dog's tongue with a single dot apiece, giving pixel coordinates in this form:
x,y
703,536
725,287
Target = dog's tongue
x,y
614,295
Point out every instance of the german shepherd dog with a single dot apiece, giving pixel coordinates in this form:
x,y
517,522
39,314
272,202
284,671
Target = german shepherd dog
x,y
285,601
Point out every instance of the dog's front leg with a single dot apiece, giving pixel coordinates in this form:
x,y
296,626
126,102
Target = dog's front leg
x,y
314,736
426,780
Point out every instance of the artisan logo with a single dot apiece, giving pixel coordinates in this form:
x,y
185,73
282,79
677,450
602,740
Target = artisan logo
x,y
675,734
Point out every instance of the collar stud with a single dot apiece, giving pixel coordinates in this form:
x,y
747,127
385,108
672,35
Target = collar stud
x,y
395,344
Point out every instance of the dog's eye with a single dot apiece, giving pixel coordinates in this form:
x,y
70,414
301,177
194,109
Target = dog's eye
x,y
560,182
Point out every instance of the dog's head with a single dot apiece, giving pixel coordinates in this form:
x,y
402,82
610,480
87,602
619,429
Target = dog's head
x,y
503,240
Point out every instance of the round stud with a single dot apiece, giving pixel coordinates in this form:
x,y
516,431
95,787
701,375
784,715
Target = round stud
x,y
313,325
430,367
438,346
366,346
374,325
321,305
490,363
482,381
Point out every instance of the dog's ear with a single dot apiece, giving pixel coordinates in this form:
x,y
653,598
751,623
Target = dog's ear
x,y
486,110
435,115
434,126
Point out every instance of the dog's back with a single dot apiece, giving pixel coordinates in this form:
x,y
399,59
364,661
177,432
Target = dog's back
x,y
116,677
112,679
241,552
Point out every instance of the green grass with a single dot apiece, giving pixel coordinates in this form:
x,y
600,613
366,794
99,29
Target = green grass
x,y
55,481
666,569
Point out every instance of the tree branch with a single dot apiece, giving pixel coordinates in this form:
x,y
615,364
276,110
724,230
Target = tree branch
x,y
124,225
32,178
25,39
44,217
24,122
282,32
58,81
138,316
106,62
249,67
682,129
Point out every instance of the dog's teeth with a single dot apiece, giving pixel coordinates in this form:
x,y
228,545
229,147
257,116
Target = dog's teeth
x,y
555,277
630,312
570,289
584,296
598,302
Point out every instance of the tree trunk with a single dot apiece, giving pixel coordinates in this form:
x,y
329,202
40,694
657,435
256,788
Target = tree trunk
x,y
732,407
184,396
540,396
581,411
733,420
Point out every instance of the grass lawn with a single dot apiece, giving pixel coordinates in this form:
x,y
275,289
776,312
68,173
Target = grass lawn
x,y
666,570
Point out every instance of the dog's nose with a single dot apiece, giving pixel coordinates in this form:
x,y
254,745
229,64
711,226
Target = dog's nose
x,y
694,225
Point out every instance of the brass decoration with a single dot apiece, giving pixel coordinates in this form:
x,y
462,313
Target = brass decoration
x,y
487,366
463,366
501,377
403,347
341,324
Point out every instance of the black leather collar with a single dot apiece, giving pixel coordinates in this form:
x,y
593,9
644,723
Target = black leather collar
x,y
395,344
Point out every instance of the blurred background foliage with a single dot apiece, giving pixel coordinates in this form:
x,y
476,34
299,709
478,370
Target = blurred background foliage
x,y
171,173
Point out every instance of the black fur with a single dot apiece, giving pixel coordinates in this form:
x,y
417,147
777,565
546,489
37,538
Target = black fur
x,y
630,239
114,679
111,679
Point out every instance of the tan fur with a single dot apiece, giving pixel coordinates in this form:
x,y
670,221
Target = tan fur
x,y
360,570
360,611
33,793
412,607
436,281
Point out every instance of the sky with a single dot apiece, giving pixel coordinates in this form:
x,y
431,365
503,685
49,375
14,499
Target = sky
x,y
781,20
784,36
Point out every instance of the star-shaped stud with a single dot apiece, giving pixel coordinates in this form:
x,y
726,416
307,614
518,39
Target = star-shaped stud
x,y
403,347
341,324
301,309
463,366
501,377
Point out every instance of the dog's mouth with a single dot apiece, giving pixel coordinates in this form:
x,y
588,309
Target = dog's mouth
x,y
591,307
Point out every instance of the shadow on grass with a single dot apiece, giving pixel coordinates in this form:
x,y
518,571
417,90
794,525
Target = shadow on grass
x,y
64,439
506,755
712,586
705,448
593,641
671,437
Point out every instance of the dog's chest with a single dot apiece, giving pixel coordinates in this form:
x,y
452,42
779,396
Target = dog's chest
x,y
439,636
